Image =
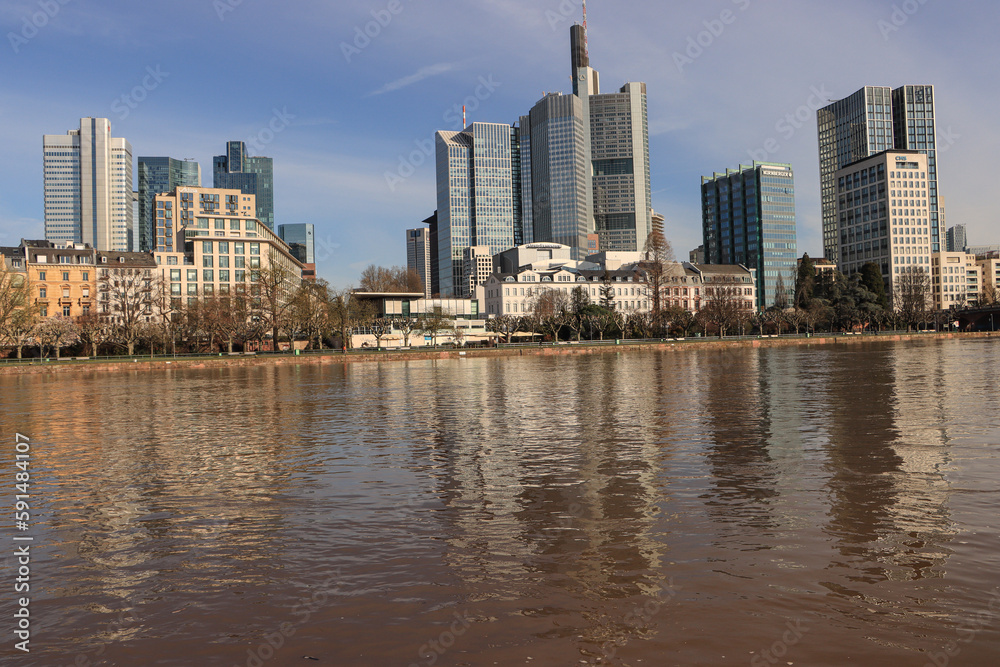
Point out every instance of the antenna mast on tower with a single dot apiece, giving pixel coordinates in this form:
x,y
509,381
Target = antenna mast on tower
x,y
586,45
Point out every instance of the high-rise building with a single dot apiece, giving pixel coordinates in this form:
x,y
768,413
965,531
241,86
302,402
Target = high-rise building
x,y
619,148
88,186
301,241
418,255
159,175
475,192
873,120
478,265
878,221
748,218
250,175
957,241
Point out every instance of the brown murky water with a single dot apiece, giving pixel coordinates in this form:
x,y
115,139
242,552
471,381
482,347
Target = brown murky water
x,y
821,506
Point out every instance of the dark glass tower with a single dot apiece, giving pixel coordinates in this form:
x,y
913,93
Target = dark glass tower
x,y
250,175
873,120
159,175
748,218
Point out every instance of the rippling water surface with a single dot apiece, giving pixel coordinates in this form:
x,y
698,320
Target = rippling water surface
x,y
822,506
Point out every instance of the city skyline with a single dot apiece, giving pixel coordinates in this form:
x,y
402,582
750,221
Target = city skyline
x,y
361,138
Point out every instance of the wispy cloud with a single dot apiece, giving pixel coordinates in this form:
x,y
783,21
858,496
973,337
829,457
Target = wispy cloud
x,y
416,77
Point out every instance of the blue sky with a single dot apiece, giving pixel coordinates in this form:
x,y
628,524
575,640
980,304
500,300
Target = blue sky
x,y
353,121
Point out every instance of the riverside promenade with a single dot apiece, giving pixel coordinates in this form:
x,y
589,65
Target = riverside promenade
x,y
133,364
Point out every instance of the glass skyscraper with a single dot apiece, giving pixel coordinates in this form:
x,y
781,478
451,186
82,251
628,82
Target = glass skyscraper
x,y
88,186
250,175
160,175
748,218
873,120
475,193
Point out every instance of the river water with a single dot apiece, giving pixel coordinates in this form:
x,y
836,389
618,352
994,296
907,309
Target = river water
x,y
831,505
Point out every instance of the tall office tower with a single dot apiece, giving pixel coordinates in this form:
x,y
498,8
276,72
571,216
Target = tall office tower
x,y
88,186
250,175
524,150
562,206
432,240
873,120
879,221
133,232
160,175
748,218
956,239
914,129
475,192
418,255
619,147
301,240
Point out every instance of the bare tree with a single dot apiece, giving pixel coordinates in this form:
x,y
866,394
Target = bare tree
x,y
406,326
912,295
274,286
126,301
724,303
20,328
433,323
504,325
346,312
395,279
658,254
56,332
552,309
94,331
309,313
14,297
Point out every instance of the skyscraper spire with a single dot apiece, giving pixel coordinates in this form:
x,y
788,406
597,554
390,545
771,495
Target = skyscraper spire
x,y
586,38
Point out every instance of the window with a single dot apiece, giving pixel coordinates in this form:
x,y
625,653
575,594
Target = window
x,y
240,262
206,261
220,224
175,289
41,275
223,247
251,225
65,276
207,275
234,224
254,248
43,310
172,261
65,292
255,262
65,311
241,276
237,248
208,290
42,293
86,275
224,276
192,275
224,262
86,292
192,289
206,247
175,275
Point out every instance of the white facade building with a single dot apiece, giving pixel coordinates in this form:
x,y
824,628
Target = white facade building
x,y
883,215
88,187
